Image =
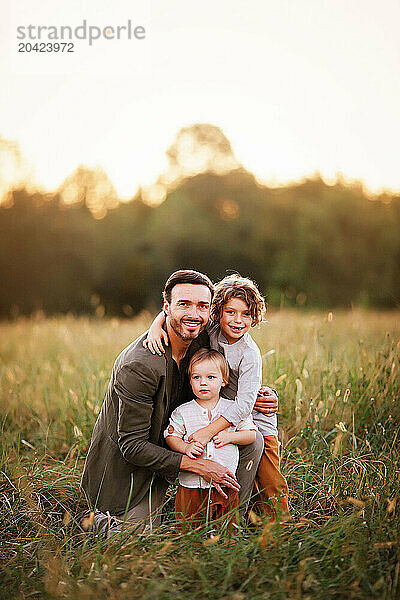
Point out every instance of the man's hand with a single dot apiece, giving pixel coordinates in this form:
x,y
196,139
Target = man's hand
x,y
212,472
267,402
222,438
203,436
194,449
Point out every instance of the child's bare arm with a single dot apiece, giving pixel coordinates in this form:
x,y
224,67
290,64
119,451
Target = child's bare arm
x,y
269,398
156,336
191,449
176,443
241,438
205,434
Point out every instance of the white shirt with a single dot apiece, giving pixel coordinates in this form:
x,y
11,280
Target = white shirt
x,y
188,418
245,377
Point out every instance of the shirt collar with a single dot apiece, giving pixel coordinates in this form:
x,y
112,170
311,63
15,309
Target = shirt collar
x,y
222,340
213,410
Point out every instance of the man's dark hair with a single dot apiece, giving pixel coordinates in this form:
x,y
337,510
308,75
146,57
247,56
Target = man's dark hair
x,y
186,276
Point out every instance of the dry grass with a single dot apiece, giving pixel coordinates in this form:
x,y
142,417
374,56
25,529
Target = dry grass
x,y
338,380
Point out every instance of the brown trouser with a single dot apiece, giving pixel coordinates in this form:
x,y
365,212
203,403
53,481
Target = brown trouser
x,y
196,506
270,487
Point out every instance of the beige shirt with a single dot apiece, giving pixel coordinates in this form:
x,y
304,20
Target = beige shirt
x,y
188,418
245,376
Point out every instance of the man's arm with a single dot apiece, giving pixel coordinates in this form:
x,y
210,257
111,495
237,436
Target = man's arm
x,y
212,472
267,401
136,385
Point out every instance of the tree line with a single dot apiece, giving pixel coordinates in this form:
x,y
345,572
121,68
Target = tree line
x,y
306,244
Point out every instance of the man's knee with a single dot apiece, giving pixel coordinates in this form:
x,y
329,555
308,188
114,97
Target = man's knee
x,y
142,519
252,451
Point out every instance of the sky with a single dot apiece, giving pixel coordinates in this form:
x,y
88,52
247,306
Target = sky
x,y
297,86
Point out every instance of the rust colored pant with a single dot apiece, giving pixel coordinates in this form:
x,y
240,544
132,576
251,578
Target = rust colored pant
x,y
192,505
270,487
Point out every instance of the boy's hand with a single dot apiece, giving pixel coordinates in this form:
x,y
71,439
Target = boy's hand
x,y
267,402
194,449
221,439
203,436
155,339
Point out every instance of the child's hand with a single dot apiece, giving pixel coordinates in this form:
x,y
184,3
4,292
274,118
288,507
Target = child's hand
x,y
194,449
221,439
203,436
155,338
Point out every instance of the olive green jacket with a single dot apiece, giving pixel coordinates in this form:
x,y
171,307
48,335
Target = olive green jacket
x,y
127,445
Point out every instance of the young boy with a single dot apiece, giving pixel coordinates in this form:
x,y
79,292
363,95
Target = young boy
x,y
195,498
238,305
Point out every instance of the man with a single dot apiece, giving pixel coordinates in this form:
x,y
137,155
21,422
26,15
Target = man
x,y
128,468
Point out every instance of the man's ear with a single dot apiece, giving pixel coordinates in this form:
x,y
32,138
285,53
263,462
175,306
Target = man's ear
x,y
166,308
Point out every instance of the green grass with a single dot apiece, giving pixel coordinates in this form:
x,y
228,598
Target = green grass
x,y
344,539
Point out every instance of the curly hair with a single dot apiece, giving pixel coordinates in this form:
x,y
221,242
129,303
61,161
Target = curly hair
x,y
236,286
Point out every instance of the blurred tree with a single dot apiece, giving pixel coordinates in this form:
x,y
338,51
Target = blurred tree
x,y
14,171
199,148
309,244
47,258
89,187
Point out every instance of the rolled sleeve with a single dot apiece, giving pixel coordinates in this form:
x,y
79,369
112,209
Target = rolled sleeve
x,y
136,386
249,382
246,425
176,425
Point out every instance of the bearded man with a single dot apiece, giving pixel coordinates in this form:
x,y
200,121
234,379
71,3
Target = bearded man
x,y
128,467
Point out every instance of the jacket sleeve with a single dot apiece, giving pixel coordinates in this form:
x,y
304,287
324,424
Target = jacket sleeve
x,y
136,385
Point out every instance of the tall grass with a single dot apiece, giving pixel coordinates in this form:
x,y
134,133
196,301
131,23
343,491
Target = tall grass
x,y
338,380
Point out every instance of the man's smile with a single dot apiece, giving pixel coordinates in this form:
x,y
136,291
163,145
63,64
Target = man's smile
x,y
191,323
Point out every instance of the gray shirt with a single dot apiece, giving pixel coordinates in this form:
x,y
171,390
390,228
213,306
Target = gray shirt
x,y
245,378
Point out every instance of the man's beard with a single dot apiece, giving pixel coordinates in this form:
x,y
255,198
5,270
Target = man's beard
x,y
177,327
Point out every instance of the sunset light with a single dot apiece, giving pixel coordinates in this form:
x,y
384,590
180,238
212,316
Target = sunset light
x,y
297,87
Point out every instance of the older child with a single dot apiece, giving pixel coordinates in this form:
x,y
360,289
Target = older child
x,y
237,306
195,498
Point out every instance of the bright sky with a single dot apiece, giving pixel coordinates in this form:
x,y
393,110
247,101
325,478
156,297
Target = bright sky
x,y
296,85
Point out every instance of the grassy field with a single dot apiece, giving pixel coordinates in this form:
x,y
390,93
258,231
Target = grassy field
x,y
338,379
